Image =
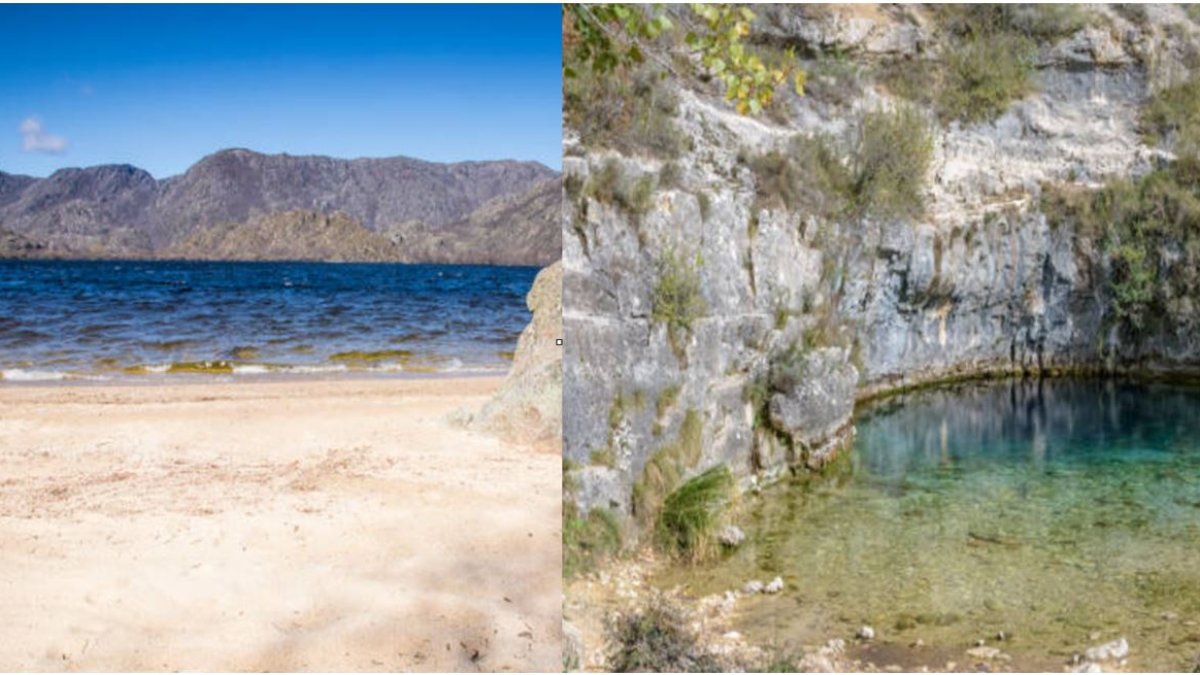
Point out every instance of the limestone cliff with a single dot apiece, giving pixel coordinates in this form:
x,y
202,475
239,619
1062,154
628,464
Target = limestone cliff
x,y
798,309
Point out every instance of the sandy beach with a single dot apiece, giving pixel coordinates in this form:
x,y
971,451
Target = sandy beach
x,y
297,525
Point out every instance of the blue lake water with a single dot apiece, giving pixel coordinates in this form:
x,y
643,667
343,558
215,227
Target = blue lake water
x,y
99,320
1064,514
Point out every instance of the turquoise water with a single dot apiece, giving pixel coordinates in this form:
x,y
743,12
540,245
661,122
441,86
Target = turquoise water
x,y
1063,513
102,320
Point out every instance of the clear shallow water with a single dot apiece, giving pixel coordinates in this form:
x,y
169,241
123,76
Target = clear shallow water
x,y
1065,513
123,319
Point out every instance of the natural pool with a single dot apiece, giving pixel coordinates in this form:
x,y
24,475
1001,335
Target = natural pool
x,y
1063,513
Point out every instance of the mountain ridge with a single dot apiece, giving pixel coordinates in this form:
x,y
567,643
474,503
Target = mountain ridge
x,y
120,210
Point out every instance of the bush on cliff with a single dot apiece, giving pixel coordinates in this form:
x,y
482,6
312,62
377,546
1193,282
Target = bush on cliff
x,y
677,302
987,61
1148,229
883,174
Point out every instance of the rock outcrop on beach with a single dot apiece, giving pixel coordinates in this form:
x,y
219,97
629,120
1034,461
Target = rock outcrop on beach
x,y
528,408
699,290
122,211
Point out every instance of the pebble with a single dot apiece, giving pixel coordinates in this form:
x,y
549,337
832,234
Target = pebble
x,y
775,586
1087,667
732,536
752,587
1117,649
987,653
865,633
1170,616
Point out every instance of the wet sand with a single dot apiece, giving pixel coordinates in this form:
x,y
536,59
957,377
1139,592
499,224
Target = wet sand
x,y
317,525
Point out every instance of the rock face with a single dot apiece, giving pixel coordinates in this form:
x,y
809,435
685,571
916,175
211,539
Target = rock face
x,y
982,283
119,210
814,406
528,408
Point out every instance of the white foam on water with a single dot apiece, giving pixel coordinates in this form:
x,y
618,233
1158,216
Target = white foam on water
x,y
333,368
250,369
18,375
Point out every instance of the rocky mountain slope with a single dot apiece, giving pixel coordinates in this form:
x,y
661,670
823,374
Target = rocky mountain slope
x,y
733,284
511,229
119,210
291,235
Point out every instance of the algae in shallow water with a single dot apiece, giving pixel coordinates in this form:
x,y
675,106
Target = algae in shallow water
x,y
1047,511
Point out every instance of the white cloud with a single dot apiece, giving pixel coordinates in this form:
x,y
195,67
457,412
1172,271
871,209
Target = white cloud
x,y
35,139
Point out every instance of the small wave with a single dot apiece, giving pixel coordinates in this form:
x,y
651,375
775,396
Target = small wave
x,y
18,375
251,369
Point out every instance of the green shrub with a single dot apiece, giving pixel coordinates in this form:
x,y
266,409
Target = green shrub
x,y
662,472
884,175
677,302
1042,22
1171,117
983,75
631,111
1137,223
609,185
889,164
987,61
656,638
587,539
809,175
692,512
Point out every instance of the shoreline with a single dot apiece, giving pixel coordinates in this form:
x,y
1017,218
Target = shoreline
x,y
242,378
312,525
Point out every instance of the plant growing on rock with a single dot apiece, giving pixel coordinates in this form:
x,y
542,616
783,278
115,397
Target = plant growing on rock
x,y
587,539
677,302
883,174
666,466
1149,231
988,59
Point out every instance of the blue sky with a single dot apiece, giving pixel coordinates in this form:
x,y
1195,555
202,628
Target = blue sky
x,y
161,86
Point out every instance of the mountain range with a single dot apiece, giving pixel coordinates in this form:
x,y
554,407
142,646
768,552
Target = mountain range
x,y
238,204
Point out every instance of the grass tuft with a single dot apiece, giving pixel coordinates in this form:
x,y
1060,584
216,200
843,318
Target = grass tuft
x,y
677,302
692,512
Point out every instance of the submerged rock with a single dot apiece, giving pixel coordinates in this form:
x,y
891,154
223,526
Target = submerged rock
x,y
865,633
775,586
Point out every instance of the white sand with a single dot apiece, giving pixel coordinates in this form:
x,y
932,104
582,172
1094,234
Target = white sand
x,y
273,526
